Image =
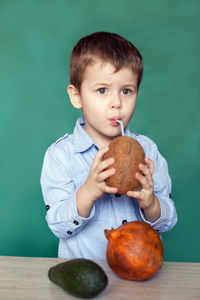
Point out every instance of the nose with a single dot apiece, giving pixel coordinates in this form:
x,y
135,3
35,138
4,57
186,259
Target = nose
x,y
116,102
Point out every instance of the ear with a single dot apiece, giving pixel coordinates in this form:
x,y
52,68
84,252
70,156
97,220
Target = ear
x,y
74,96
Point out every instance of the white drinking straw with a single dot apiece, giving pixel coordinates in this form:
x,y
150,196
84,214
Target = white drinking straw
x,y
122,126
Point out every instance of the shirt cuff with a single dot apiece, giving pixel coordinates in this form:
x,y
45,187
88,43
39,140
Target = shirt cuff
x,y
72,220
160,224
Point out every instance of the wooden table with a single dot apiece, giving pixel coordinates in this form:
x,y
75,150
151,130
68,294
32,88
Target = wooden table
x,y
23,278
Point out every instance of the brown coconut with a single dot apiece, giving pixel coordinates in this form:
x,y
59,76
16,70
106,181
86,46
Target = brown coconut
x,y
128,153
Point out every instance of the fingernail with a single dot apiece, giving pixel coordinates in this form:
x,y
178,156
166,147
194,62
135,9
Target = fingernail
x,y
112,170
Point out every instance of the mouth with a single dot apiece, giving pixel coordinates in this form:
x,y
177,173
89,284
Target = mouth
x,y
114,122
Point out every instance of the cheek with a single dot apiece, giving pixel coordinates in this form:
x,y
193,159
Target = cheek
x,y
96,107
129,111
129,108
93,111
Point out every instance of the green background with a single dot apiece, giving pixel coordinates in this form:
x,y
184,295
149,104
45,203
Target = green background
x,y
36,40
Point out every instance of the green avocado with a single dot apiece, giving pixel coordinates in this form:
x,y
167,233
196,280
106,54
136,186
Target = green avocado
x,y
79,277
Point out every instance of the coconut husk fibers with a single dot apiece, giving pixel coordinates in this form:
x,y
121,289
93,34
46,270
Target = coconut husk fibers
x,y
128,153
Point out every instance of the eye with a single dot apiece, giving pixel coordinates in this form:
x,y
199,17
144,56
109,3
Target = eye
x,y
126,92
102,91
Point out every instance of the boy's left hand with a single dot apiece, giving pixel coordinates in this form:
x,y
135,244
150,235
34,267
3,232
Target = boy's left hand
x,y
145,197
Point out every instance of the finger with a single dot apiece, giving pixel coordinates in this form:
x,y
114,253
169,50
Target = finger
x,y
144,169
150,164
100,154
134,194
102,176
147,171
110,190
105,164
145,180
141,178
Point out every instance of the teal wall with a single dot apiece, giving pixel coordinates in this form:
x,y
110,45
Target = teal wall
x,y
36,39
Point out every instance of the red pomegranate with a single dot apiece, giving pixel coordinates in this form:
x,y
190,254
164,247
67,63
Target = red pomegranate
x,y
134,251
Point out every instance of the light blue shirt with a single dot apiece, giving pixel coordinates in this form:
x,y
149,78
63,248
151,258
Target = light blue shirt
x,y
66,166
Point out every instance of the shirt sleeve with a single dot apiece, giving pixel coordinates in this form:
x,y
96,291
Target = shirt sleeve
x,y
59,193
162,189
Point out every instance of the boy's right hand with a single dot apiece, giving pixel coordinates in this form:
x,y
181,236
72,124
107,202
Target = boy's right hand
x,y
99,172
95,185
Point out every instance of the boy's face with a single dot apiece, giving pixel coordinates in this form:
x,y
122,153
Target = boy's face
x,y
105,96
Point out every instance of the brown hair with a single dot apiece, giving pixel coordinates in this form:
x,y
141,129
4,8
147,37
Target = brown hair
x,y
107,47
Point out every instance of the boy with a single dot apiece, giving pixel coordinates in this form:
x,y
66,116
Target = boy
x,y
105,74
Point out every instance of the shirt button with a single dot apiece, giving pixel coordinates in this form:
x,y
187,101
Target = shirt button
x,y
96,148
117,195
124,221
69,232
47,207
76,222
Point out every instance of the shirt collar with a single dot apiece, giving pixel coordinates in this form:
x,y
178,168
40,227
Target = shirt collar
x,y
82,140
